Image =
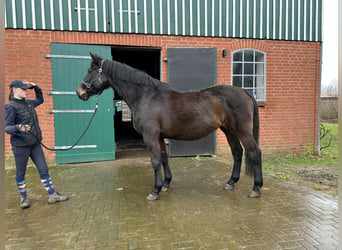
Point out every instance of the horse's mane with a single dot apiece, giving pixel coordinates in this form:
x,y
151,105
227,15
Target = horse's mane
x,y
128,74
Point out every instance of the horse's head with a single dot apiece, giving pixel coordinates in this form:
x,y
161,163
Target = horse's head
x,y
94,82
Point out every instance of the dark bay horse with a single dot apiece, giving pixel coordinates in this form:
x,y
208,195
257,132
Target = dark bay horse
x,y
160,112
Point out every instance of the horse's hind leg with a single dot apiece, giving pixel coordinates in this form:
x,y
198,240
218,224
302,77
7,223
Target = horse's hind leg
x,y
237,151
165,163
253,154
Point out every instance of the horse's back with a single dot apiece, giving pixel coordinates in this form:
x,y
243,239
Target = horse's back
x,y
228,92
219,99
195,114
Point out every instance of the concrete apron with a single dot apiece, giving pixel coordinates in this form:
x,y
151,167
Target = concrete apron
x,y
108,210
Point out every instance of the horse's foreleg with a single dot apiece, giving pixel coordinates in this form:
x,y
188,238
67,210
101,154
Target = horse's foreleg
x,y
154,148
167,171
237,156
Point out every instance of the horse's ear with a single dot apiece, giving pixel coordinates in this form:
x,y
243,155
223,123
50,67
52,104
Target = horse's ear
x,y
97,59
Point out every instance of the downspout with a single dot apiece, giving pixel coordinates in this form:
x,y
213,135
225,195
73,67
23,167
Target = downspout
x,y
320,86
319,102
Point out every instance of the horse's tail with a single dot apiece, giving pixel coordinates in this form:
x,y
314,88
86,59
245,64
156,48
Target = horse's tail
x,y
256,127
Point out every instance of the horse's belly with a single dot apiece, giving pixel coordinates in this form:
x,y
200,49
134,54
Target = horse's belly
x,y
194,120
191,131
192,136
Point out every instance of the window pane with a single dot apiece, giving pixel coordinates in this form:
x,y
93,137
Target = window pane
x,y
259,57
248,68
237,81
259,68
248,56
250,91
237,68
259,82
248,82
260,94
237,56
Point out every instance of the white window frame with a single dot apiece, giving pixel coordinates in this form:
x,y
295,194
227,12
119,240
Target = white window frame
x,y
254,82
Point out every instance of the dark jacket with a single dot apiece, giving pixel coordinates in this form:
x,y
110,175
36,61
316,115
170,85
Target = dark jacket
x,y
20,112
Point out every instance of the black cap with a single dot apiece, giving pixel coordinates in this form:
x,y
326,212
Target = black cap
x,y
19,84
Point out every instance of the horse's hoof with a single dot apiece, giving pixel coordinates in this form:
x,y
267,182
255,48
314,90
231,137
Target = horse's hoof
x,y
164,189
152,197
254,194
228,187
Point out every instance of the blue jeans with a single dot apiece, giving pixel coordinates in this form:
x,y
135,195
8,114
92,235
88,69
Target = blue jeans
x,y
21,156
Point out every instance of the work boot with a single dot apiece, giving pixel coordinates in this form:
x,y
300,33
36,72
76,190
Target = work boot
x,y
25,202
56,197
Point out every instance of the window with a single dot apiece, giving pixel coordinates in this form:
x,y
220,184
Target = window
x,y
249,72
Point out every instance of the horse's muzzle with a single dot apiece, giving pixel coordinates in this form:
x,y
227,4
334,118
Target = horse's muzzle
x,y
82,94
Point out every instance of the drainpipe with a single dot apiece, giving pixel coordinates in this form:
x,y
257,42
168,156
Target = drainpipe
x,y
319,101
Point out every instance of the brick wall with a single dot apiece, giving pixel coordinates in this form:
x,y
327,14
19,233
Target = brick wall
x,y
289,118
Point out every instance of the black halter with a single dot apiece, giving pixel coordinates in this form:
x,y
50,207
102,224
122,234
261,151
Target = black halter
x,y
87,84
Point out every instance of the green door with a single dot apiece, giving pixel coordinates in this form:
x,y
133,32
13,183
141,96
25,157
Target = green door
x,y
70,63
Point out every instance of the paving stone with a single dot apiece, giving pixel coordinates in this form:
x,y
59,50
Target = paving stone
x,y
108,210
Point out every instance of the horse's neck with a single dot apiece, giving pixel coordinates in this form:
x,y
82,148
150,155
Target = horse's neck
x,y
130,95
124,83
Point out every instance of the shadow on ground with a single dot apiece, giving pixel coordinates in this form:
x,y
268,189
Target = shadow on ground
x,y
108,210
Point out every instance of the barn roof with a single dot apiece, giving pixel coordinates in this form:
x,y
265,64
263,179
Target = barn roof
x,y
260,19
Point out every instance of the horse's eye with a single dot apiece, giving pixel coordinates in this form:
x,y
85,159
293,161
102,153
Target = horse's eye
x,y
92,68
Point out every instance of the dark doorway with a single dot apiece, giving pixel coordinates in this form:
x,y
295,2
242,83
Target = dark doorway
x,y
128,142
191,69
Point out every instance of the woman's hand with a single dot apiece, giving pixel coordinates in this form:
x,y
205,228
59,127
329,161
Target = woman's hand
x,y
25,128
31,84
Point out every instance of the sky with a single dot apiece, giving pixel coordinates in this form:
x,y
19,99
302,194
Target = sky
x,y
330,42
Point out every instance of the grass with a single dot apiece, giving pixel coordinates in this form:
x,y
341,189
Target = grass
x,y
319,172
331,151
328,155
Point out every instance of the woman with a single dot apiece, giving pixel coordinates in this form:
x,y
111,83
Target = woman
x,y
21,122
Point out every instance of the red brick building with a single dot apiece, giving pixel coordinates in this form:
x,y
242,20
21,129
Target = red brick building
x,y
288,40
